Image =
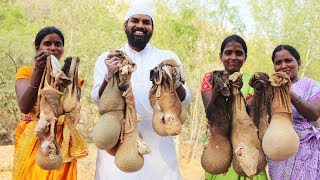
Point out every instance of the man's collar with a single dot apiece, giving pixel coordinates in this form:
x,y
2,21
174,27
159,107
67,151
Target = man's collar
x,y
148,46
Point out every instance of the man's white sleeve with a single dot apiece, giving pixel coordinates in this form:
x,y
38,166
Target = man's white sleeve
x,y
99,73
187,98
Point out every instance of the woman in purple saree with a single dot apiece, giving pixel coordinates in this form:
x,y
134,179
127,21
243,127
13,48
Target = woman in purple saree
x,y
305,99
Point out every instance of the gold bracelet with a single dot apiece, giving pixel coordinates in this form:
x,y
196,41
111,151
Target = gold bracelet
x,y
31,85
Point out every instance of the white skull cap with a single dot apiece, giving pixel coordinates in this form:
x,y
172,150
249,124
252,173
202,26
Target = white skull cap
x,y
139,9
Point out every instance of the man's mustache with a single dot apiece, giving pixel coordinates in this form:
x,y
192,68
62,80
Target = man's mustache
x,y
139,29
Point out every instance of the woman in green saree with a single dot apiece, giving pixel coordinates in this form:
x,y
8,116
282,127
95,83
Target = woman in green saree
x,y
233,54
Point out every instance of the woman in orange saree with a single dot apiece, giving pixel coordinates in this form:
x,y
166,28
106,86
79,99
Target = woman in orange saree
x,y
49,41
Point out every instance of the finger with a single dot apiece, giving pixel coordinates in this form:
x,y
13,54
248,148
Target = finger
x,y
111,66
42,52
110,55
226,74
116,63
42,56
113,62
39,53
235,85
119,62
113,58
117,59
108,58
37,56
110,63
107,62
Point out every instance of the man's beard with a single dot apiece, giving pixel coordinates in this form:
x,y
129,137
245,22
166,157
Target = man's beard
x,y
140,42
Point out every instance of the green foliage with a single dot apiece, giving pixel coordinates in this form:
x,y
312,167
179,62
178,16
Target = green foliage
x,y
10,17
94,26
292,22
193,29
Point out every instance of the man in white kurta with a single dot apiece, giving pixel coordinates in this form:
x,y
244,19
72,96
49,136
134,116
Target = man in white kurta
x,y
161,163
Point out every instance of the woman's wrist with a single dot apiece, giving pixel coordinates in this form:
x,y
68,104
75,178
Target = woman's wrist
x,y
297,101
38,69
32,86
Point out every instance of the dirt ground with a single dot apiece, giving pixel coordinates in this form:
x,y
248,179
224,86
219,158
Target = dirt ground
x,y
86,167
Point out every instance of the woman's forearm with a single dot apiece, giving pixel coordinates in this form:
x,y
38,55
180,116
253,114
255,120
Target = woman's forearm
x,y
309,110
27,91
208,99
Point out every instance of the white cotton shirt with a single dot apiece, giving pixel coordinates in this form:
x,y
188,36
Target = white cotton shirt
x,y
161,163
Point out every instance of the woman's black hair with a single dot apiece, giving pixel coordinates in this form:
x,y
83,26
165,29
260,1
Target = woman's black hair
x,y
234,38
289,48
45,31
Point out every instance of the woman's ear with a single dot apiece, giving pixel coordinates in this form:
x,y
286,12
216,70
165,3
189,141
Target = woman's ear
x,y
299,64
220,55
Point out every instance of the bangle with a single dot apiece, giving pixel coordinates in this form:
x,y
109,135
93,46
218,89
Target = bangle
x,y
31,85
36,68
298,101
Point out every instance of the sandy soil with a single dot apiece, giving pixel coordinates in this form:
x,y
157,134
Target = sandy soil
x,y
86,167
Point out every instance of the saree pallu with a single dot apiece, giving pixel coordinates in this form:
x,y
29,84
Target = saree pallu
x,y
26,147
